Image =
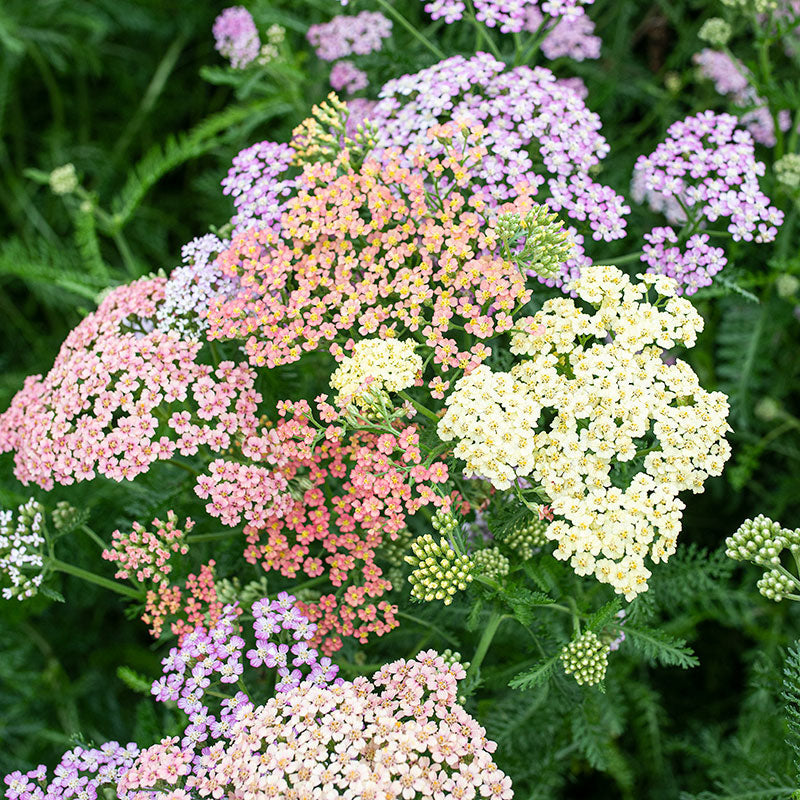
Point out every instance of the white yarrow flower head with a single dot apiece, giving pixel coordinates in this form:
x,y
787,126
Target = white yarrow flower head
x,y
21,560
593,414
376,366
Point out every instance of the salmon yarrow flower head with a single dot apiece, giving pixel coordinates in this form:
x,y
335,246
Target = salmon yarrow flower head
x,y
382,365
540,139
379,250
593,415
123,394
299,523
704,172
400,733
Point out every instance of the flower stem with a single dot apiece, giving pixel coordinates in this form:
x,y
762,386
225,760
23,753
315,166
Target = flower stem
x,y
94,537
91,577
409,27
176,463
486,639
419,407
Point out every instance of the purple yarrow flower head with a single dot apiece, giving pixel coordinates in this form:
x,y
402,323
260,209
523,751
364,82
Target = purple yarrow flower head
x,y
236,36
706,167
350,35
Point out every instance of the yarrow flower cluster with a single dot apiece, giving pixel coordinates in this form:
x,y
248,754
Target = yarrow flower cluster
x,y
347,77
491,563
109,404
586,659
145,555
540,139
622,433
350,35
80,774
762,541
260,185
405,734
705,169
382,365
567,29
293,527
731,78
370,251
236,36
190,288
21,560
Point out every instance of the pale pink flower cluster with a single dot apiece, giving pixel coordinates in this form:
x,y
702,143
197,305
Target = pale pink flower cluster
x,y
104,407
162,763
237,491
399,735
144,554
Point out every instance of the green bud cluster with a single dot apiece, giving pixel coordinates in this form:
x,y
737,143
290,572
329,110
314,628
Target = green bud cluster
x,y
586,659
491,563
526,539
715,31
787,285
445,522
536,241
453,657
787,170
749,6
394,551
775,585
438,571
762,541
66,517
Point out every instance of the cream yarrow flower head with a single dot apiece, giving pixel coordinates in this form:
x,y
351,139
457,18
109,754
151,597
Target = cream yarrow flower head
x,y
376,365
593,415
586,659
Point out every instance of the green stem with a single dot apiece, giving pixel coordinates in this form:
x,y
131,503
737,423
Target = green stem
x,y
486,639
419,407
127,257
627,258
411,29
91,577
207,537
427,624
93,536
176,463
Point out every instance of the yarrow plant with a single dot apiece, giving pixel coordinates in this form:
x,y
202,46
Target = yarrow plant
x,y
705,171
607,429
21,541
236,36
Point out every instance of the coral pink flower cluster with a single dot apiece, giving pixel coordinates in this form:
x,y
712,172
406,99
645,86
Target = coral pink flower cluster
x,y
197,604
104,407
303,531
161,764
400,735
373,251
145,555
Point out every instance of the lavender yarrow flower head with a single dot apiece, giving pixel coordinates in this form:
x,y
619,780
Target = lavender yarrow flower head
x,y
350,35
541,138
260,183
191,287
706,167
568,30
347,77
236,36
732,79
209,656
81,774
21,560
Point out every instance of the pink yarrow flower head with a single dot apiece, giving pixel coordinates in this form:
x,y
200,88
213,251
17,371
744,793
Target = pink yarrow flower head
x,y
564,25
109,405
346,36
400,734
236,36
706,168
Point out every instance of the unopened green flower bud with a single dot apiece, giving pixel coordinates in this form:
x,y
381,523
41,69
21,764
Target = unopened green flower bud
x,y
787,285
760,540
64,180
586,659
438,571
787,170
491,563
775,585
66,517
715,31
528,538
